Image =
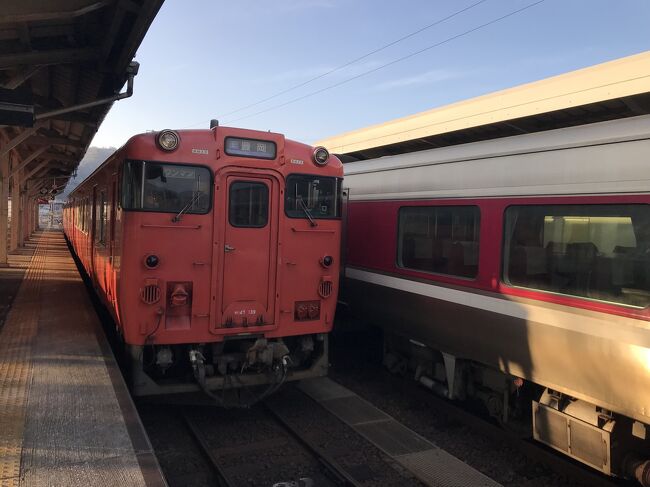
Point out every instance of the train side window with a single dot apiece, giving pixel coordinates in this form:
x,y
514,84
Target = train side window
x,y
82,215
599,252
439,239
132,185
101,217
248,204
77,212
86,215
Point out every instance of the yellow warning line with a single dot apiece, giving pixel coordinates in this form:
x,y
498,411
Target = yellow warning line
x,y
16,366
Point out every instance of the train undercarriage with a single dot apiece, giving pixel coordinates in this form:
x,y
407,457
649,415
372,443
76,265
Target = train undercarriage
x,y
609,442
254,363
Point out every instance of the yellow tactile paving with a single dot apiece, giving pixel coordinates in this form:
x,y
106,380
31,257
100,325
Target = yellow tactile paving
x,y
65,415
15,365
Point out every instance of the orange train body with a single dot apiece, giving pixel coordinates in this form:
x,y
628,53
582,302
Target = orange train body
x,y
228,245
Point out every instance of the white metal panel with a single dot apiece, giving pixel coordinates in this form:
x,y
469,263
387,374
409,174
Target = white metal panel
x,y
619,78
607,157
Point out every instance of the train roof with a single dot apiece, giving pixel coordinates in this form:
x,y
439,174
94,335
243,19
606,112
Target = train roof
x,y
596,134
592,159
607,91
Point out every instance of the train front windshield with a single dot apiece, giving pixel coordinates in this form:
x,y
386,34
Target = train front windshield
x,y
318,196
153,186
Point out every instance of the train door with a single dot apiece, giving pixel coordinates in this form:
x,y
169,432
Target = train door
x,y
248,227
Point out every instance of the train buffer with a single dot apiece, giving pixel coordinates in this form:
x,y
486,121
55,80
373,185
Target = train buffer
x,y
66,417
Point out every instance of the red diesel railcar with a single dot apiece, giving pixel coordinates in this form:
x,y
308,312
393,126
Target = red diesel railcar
x,y
516,272
217,253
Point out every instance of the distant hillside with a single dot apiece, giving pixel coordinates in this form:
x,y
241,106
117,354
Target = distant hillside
x,y
94,157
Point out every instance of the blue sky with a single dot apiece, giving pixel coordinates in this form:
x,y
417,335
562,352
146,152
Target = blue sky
x,y
203,59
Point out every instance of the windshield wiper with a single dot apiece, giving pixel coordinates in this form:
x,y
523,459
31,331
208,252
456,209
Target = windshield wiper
x,y
312,222
195,199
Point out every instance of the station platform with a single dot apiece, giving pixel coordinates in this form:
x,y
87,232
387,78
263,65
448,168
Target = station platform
x,y
66,417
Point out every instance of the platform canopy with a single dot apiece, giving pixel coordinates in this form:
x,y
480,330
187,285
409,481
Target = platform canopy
x,y
615,89
61,64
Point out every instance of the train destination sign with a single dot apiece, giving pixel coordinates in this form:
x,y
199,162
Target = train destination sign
x,y
262,149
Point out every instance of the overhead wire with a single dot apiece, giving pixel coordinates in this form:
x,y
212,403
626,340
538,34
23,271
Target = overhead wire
x,y
364,56
353,61
403,58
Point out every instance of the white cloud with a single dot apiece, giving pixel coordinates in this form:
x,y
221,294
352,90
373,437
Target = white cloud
x,y
428,77
298,75
293,75
292,5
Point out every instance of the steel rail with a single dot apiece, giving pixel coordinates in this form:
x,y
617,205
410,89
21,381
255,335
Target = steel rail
x,y
223,478
339,475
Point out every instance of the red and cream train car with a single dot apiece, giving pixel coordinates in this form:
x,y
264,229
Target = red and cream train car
x,y
521,261
217,253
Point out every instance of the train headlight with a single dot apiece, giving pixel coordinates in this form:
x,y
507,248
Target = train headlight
x,y
168,140
151,261
327,261
321,156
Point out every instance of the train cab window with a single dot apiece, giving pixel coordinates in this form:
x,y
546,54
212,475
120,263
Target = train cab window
x,y
312,196
599,252
248,204
170,188
439,239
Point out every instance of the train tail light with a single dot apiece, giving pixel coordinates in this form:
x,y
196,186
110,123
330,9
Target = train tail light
x,y
307,310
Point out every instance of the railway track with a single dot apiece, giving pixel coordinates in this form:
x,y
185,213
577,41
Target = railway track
x,y
228,476
535,452
334,469
532,450
222,476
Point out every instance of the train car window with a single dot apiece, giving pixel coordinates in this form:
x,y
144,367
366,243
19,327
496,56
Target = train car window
x,y
167,188
312,196
82,215
77,213
101,218
439,239
86,215
248,204
132,185
599,252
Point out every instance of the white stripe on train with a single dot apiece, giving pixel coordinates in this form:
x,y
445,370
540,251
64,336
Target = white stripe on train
x,y
611,327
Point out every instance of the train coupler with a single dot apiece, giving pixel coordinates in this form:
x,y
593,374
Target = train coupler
x,y
197,360
266,353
